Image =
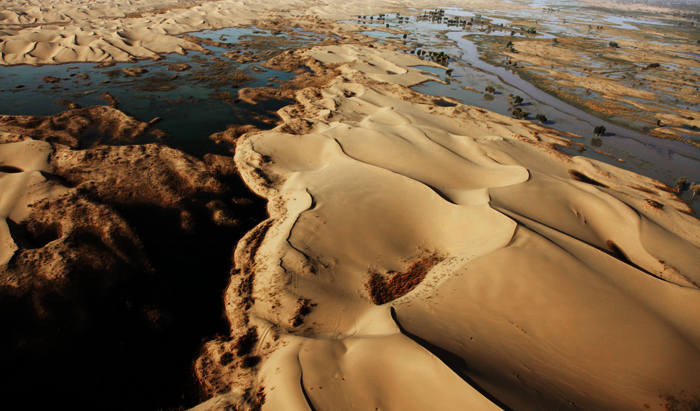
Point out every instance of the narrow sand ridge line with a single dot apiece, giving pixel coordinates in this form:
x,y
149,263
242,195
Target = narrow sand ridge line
x,y
427,257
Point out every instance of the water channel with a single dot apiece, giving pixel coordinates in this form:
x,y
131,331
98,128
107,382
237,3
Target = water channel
x,y
664,160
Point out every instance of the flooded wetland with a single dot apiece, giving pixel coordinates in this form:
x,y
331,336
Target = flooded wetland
x,y
560,61
579,67
239,183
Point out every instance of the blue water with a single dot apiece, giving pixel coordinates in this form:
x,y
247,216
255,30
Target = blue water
x,y
189,114
691,54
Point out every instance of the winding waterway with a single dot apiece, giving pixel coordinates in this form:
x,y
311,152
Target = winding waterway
x,y
664,160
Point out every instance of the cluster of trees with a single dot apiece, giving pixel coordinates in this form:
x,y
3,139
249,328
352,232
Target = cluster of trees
x,y
519,113
682,182
434,16
457,22
438,16
440,58
515,100
382,18
613,44
523,31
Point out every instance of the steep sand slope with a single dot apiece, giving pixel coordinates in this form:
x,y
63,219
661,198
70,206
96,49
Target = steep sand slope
x,y
22,184
419,256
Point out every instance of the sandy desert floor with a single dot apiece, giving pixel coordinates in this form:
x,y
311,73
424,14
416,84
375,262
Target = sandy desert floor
x,y
369,247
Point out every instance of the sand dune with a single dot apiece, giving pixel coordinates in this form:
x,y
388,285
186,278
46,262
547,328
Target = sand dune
x,y
24,25
419,253
22,183
428,257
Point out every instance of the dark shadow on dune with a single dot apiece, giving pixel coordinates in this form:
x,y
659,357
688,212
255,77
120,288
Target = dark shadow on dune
x,y
444,103
10,169
456,363
441,194
306,395
614,250
578,176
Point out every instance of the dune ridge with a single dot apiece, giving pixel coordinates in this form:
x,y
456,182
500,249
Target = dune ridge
x,y
552,282
57,32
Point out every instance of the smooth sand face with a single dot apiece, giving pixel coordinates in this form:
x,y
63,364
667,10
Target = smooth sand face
x,y
552,282
22,184
416,256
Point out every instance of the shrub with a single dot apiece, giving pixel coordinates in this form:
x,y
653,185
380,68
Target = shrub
x,y
383,290
681,182
519,113
516,101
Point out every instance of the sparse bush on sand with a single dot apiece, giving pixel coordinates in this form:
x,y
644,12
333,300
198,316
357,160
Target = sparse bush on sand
x,y
384,290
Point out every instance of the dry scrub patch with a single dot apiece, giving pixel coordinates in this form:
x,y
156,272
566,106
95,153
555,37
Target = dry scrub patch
x,y
384,288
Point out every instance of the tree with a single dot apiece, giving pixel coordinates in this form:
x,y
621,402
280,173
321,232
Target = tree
x,y
695,188
519,113
515,101
681,182
613,44
490,89
658,122
541,118
599,130
404,36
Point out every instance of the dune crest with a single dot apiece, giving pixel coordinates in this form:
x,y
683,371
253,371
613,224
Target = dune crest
x,y
511,275
53,32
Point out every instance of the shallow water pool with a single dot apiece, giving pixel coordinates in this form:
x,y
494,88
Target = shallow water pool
x,y
192,104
